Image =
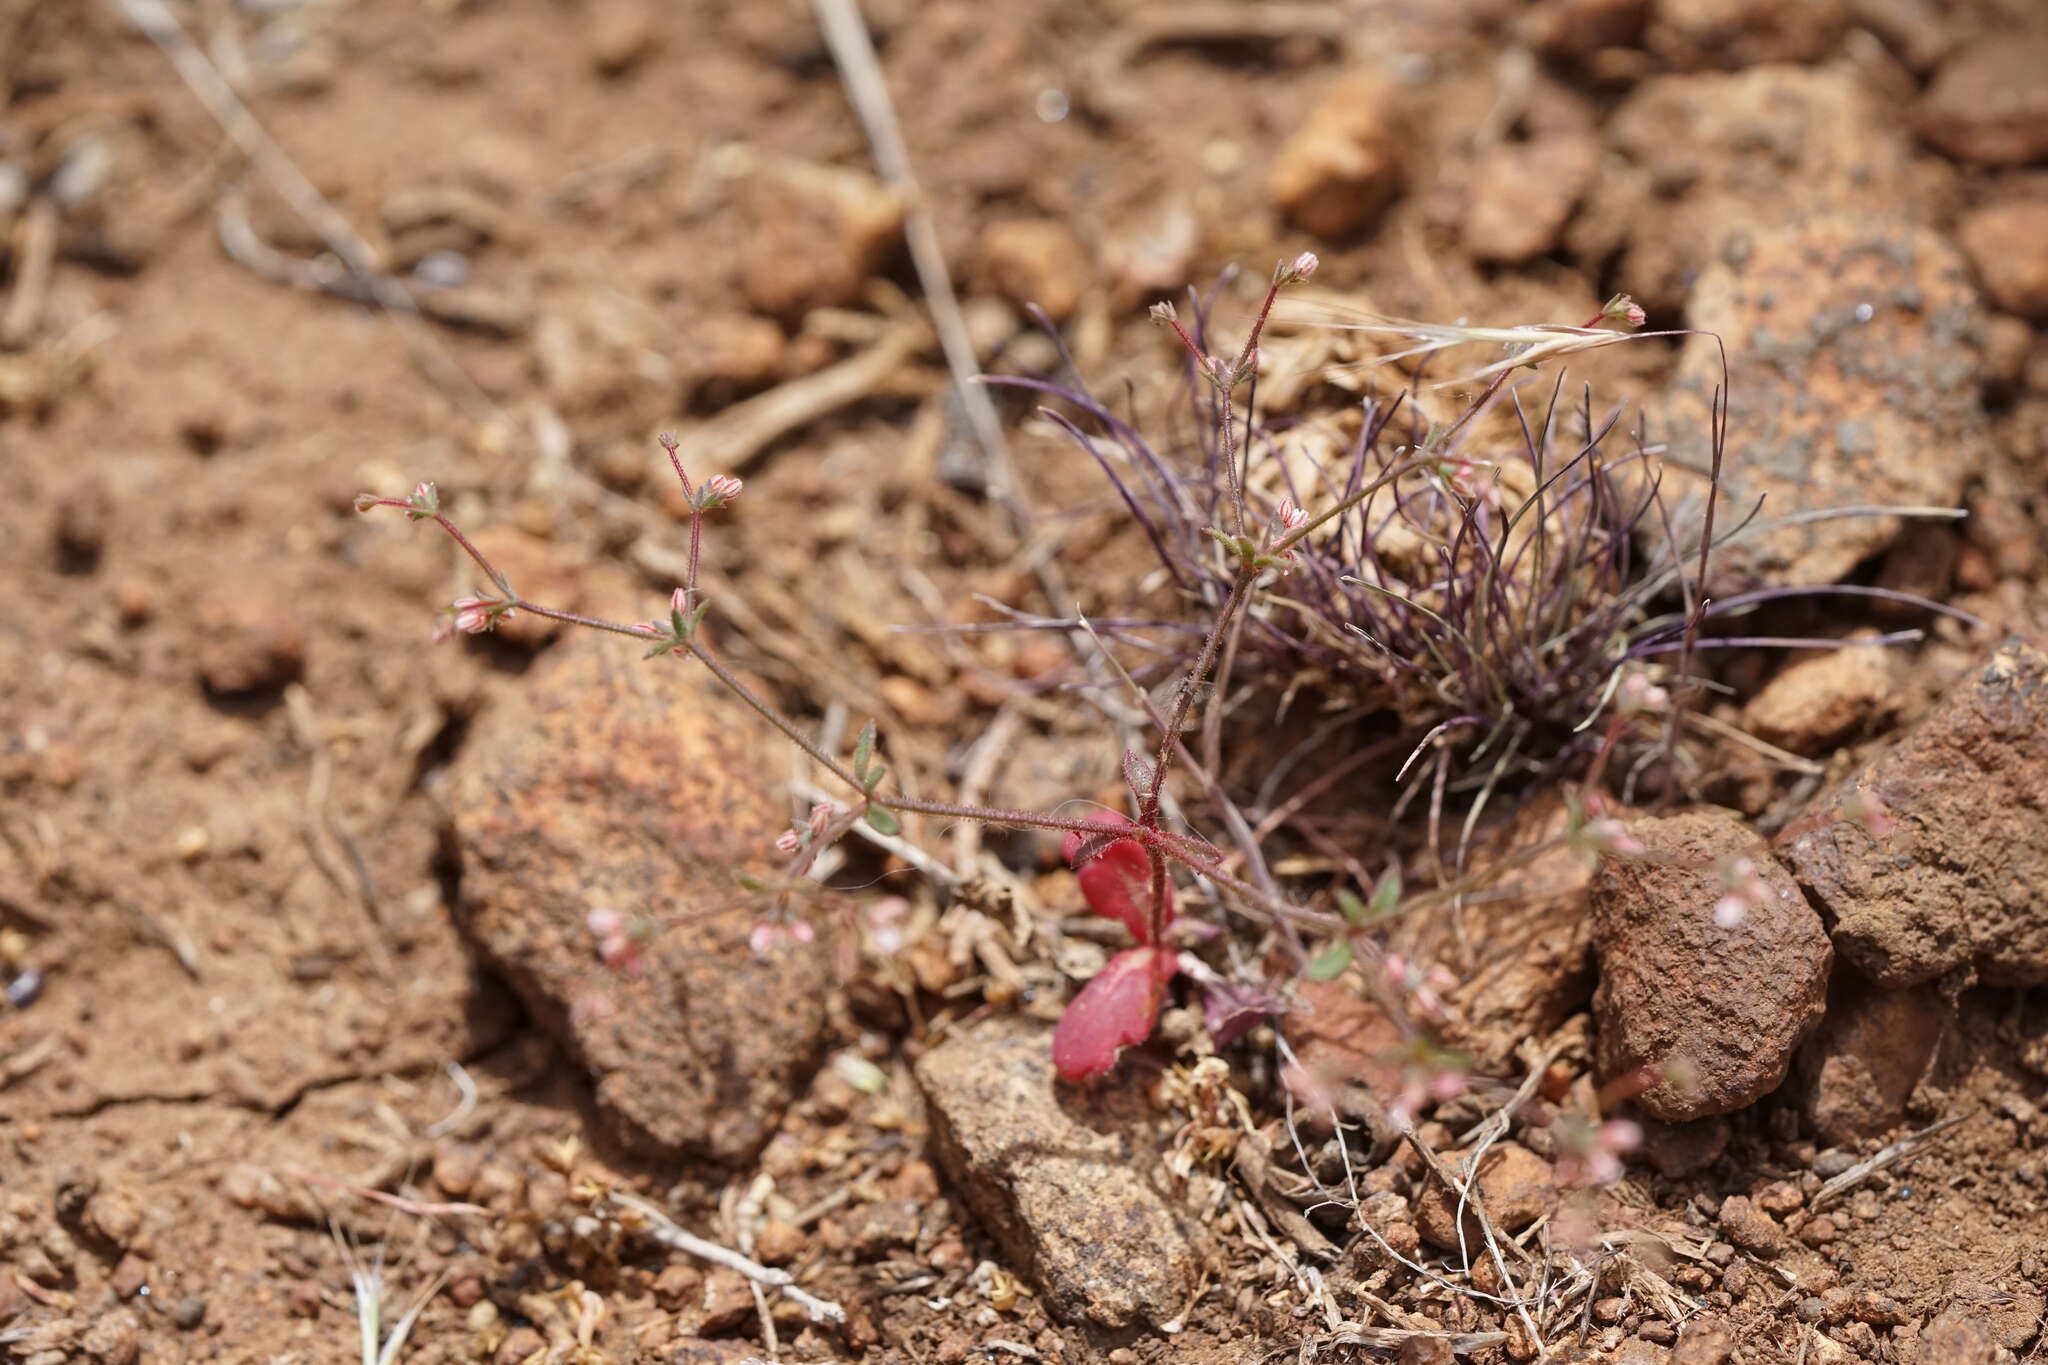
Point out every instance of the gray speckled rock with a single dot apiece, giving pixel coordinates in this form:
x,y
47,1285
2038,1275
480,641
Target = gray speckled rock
x,y
1854,352
1067,1180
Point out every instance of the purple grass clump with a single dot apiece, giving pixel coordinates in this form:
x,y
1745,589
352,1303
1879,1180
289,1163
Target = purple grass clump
x,y
1511,585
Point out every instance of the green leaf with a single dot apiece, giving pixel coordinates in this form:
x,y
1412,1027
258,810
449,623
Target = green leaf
x,y
864,750
874,778
1330,963
1351,905
883,820
1386,896
753,884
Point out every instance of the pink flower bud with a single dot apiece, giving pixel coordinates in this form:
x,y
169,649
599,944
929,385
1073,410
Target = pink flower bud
x,y
475,615
1622,308
768,935
719,490
1730,911
1621,1135
821,816
604,922
1163,312
1291,517
1637,695
679,602
1296,270
1608,835
789,841
621,954
423,492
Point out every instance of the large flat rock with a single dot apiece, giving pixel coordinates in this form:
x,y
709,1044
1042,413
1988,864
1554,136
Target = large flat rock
x,y
611,781
1067,1180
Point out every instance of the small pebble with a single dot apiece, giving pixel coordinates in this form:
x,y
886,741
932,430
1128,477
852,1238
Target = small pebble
x,y
190,1312
443,269
25,989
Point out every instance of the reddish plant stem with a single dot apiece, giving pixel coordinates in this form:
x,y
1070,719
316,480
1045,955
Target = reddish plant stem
x,y
668,444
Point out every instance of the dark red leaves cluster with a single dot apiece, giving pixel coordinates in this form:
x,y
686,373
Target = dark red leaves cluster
x,y
1120,1006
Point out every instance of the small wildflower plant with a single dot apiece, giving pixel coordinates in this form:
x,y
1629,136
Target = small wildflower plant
x,y
1532,622
1123,863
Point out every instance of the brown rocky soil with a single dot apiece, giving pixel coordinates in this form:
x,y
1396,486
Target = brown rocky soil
x,y
295,905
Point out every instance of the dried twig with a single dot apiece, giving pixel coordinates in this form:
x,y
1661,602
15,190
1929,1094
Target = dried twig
x,y
177,943
415,1207
739,433
659,1227
319,819
846,33
1863,1170
465,1105
1468,1193
36,252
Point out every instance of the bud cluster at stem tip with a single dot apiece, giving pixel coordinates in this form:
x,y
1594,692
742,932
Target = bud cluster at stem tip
x,y
1295,271
718,490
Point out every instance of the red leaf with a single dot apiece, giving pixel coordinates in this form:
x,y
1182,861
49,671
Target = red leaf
x,y
1115,1010
1117,882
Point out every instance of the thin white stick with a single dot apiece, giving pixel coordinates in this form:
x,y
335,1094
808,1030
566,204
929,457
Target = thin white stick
x,y
888,843
853,51
663,1229
464,1087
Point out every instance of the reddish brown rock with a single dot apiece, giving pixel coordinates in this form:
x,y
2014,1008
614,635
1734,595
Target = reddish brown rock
x,y
818,233
1515,1184
540,572
1062,1178
249,642
1863,1063
1932,857
1732,34
1340,1036
1818,701
735,353
1530,966
1036,261
609,781
1988,102
1717,1010
1705,1343
2008,245
1522,193
1338,170
1854,348
1676,1150
85,518
1701,164
1750,1228
1956,1338
1578,29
